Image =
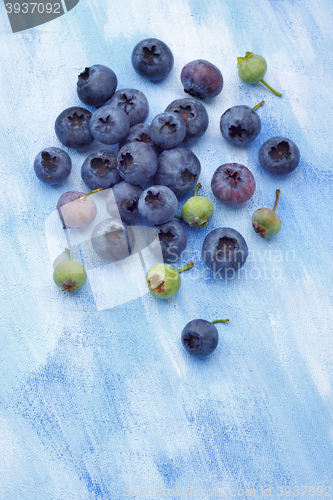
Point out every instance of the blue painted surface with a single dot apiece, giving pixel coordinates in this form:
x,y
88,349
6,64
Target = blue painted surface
x,y
105,404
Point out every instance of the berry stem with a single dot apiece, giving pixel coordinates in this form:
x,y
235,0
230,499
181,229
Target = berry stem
x,y
277,192
258,105
186,267
271,88
178,217
68,254
91,192
196,189
220,321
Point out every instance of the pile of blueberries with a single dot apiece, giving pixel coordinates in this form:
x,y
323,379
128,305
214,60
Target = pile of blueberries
x,y
153,169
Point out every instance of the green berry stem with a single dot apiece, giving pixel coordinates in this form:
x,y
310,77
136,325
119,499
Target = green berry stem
x,y
68,254
258,105
196,189
271,88
91,192
220,321
185,268
179,217
277,192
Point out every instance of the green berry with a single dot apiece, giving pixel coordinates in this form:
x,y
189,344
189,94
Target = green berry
x,y
252,69
197,210
69,275
164,281
265,221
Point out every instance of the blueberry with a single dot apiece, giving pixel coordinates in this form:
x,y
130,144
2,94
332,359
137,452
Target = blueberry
x,y
173,240
201,79
279,155
136,162
72,127
157,204
240,125
52,165
179,169
112,240
199,338
133,102
194,115
109,125
167,130
122,202
99,170
152,59
96,85
233,184
140,133
224,251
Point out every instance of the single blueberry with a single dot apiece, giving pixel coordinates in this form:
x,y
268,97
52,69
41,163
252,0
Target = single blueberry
x,y
200,338
136,162
99,170
152,59
179,169
133,102
173,240
194,115
109,125
122,202
240,125
96,85
167,130
72,127
52,165
158,204
279,155
201,79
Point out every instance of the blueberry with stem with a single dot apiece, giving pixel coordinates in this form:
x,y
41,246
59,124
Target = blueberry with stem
x,y
265,221
164,281
200,337
252,69
197,210
77,209
69,275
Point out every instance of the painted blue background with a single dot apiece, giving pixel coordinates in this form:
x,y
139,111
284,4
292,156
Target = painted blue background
x,y
98,404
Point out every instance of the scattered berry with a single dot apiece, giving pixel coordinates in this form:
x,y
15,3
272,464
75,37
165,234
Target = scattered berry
x,y
109,125
279,155
77,209
167,130
133,102
265,221
172,239
69,275
233,184
99,170
200,337
164,281
137,162
157,204
240,125
52,165
122,202
112,240
72,128
152,59
197,210
201,79
194,115
252,69
96,85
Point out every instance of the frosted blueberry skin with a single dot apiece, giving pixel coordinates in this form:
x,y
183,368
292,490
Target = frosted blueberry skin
x,y
109,125
173,240
179,169
279,155
167,130
99,170
224,251
152,59
140,133
199,338
96,85
133,102
201,79
122,202
194,114
72,127
240,125
233,184
52,165
136,162
157,204
112,240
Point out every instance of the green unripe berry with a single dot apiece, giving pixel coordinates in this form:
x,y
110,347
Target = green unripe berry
x,y
197,210
251,68
69,275
265,221
164,281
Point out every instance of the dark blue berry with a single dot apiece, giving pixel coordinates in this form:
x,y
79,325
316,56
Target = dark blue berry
x,y
52,165
240,125
152,59
279,155
173,240
140,133
167,130
200,338
137,162
233,184
96,85
72,127
179,169
224,251
99,170
133,102
194,115
109,125
158,204
201,79
122,202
